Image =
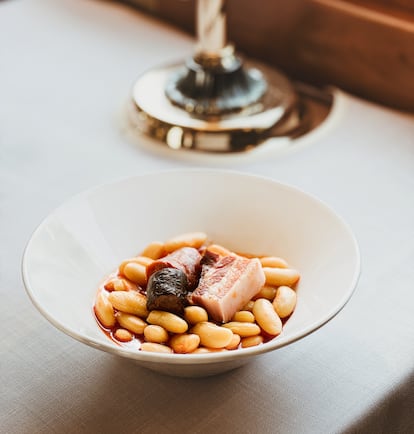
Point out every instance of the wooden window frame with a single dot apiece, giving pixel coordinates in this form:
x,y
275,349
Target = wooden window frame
x,y
365,47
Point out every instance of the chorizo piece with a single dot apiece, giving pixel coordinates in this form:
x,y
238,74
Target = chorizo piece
x,y
186,259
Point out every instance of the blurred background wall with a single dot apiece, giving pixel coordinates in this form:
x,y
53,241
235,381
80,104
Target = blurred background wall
x,y
365,47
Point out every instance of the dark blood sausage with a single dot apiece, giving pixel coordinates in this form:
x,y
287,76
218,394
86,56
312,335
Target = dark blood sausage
x,y
186,259
167,290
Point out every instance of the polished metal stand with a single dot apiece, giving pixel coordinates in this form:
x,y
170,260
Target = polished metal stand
x,y
215,101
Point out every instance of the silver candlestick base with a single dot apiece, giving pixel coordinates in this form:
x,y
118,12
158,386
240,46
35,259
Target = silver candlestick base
x,y
213,101
154,114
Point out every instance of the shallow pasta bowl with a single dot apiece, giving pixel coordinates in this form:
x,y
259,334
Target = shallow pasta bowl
x,y
81,242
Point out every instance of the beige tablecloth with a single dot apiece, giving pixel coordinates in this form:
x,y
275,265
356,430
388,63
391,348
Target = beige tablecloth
x,y
66,69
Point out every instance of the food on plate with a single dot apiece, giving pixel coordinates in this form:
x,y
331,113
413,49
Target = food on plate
x,y
186,259
190,296
167,289
226,284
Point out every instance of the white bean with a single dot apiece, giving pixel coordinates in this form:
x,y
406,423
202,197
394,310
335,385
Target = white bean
x,y
115,284
266,291
129,302
234,343
131,322
154,250
243,316
281,276
190,239
184,343
251,341
171,322
123,335
104,310
195,314
156,333
143,260
136,272
153,347
249,306
266,317
212,335
285,301
273,261
243,329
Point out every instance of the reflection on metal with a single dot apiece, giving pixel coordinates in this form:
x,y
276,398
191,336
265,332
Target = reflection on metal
x,y
174,137
228,87
152,113
215,81
215,101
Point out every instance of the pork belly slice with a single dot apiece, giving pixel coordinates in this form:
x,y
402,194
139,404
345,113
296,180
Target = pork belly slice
x,y
227,284
186,259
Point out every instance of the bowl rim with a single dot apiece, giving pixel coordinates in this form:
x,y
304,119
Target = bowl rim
x,y
185,359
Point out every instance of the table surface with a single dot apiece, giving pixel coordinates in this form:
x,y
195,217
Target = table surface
x,y
66,70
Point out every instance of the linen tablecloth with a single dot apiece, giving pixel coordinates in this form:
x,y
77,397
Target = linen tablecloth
x,y
66,71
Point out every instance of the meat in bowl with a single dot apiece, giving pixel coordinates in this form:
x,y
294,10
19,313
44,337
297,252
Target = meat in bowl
x,y
189,295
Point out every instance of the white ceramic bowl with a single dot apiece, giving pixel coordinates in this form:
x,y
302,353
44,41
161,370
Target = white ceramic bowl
x,y
85,239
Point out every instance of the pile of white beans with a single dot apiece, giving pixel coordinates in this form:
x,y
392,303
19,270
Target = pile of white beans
x,y
120,307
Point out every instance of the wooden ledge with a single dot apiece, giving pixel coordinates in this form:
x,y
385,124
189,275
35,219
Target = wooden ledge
x,y
365,47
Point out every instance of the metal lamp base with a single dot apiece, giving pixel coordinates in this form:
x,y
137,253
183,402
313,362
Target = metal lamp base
x,y
214,102
156,114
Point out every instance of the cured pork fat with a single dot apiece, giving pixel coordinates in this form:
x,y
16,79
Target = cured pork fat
x,y
227,283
